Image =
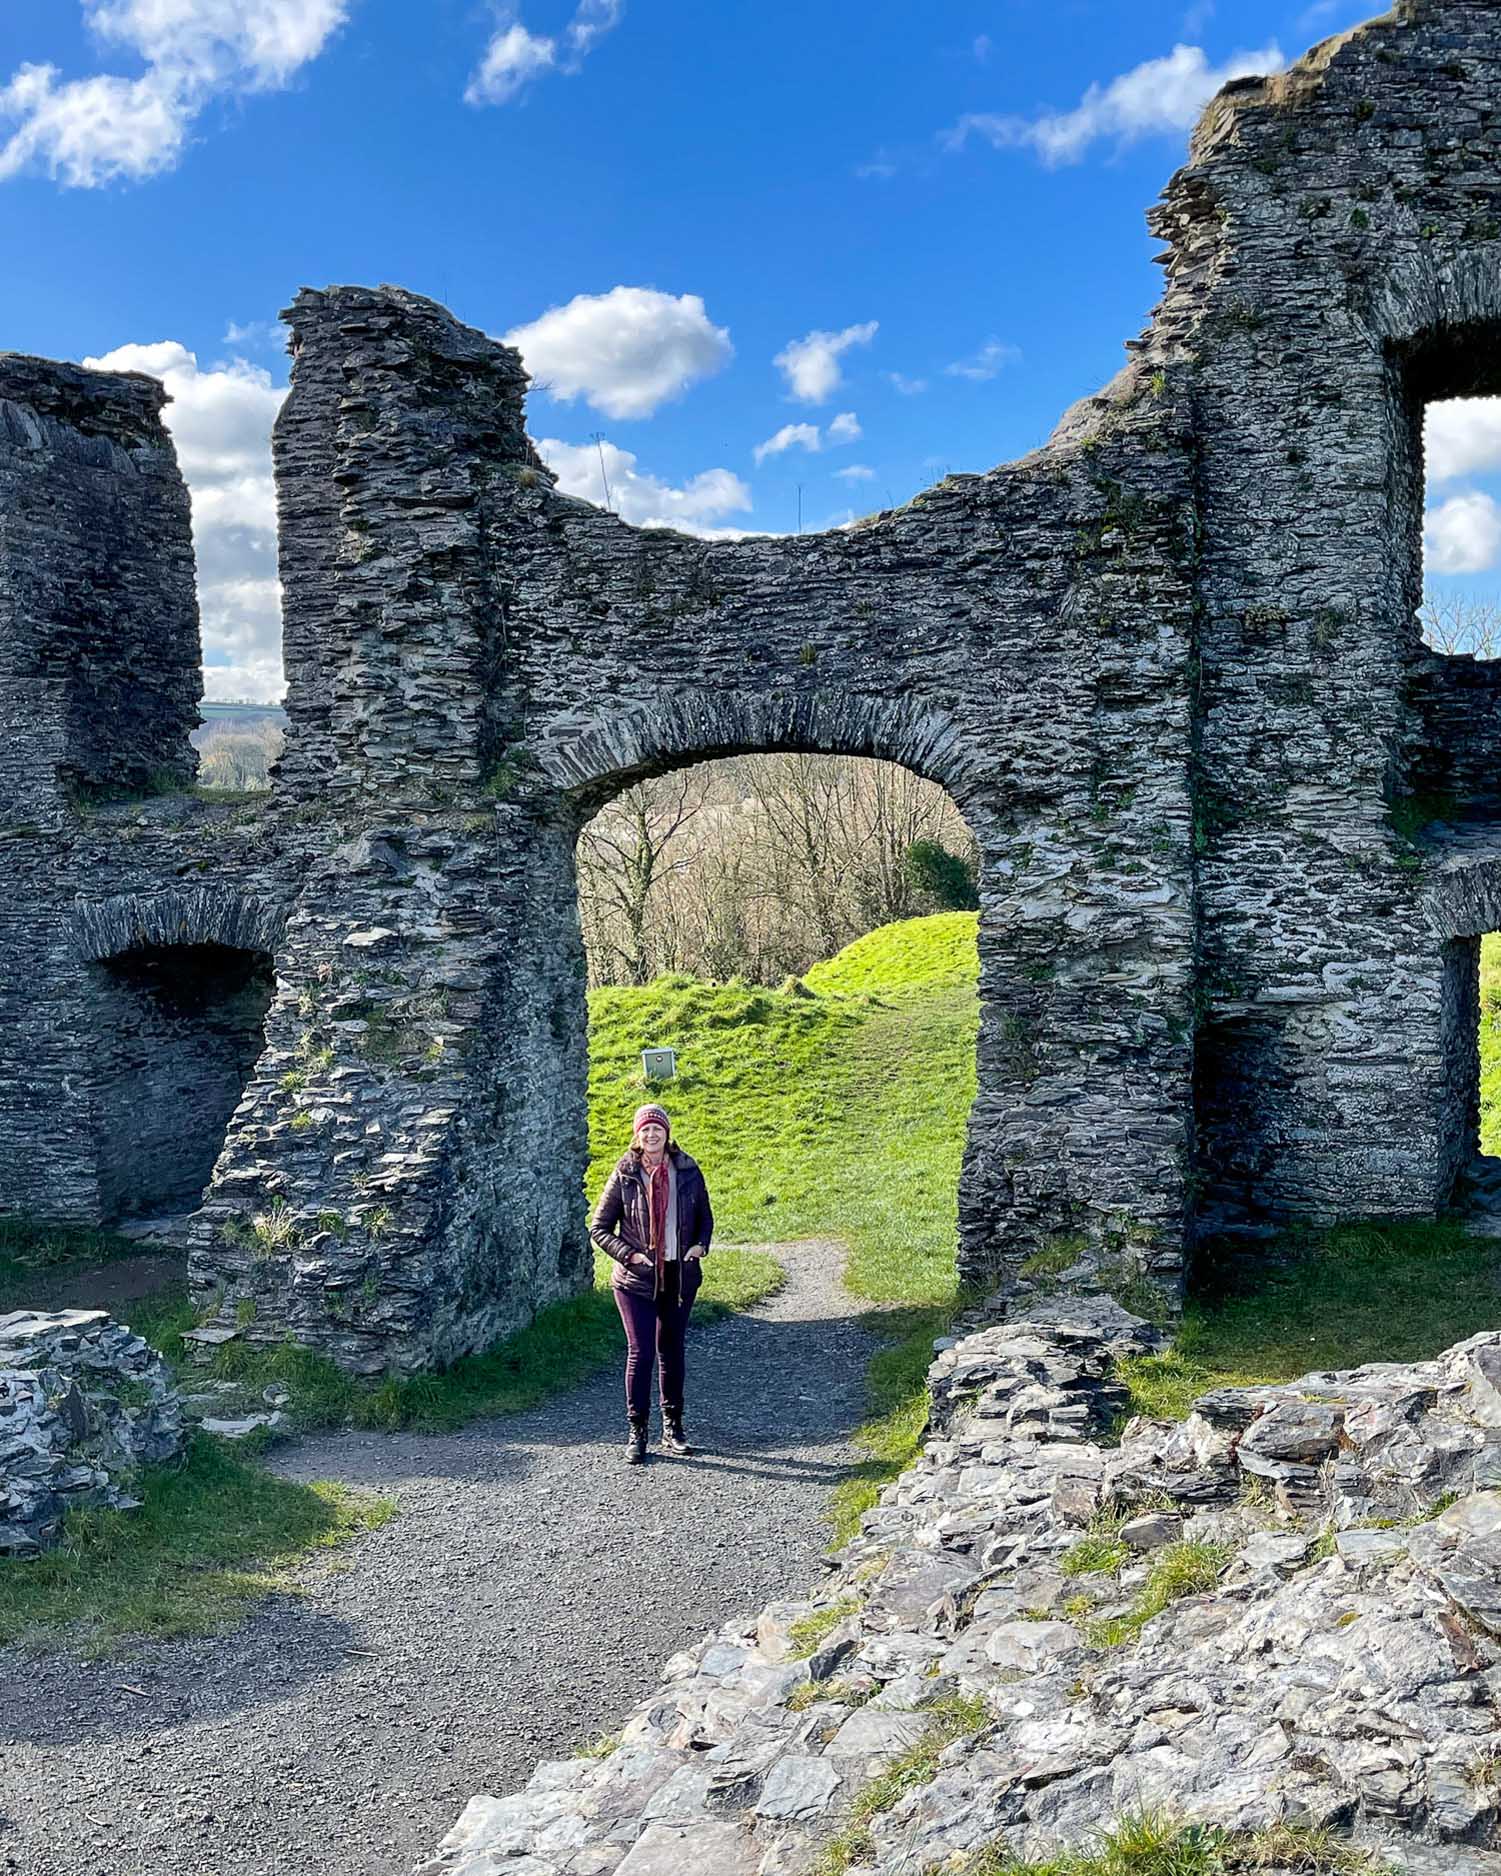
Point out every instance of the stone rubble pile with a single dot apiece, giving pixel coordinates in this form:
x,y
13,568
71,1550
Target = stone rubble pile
x,y
1284,1610
84,1403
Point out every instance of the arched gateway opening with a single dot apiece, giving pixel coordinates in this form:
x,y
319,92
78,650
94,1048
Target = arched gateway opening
x,y
669,814
799,931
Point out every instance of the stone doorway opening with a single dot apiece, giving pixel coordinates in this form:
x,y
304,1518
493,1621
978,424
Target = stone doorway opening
x,y
712,898
184,1025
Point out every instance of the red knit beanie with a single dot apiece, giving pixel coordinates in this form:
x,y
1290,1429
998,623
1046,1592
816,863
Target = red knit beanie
x,y
645,1115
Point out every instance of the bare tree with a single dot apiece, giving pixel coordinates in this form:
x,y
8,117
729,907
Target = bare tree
x,y
757,866
1460,622
623,858
237,755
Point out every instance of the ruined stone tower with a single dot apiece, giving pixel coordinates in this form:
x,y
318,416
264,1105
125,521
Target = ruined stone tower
x,y
1236,822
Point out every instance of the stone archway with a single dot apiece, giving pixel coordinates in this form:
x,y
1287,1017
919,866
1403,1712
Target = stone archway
x,y
1166,664
180,983
599,762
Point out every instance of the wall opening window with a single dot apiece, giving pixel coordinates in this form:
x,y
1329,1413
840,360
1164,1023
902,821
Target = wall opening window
x,y
185,1025
1456,386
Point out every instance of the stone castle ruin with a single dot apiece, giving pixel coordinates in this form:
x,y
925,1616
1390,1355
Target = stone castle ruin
x,y
1240,830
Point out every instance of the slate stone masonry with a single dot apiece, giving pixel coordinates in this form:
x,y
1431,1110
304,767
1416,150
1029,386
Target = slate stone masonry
x,y
84,1404
1236,825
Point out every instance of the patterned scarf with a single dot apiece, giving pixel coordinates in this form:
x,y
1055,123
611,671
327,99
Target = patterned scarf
x,y
657,1190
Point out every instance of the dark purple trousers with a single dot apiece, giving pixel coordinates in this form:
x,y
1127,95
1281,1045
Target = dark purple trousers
x,y
654,1332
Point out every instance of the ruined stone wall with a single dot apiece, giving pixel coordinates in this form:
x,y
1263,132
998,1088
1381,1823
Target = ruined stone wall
x,y
1334,251
402,1180
1235,823
99,657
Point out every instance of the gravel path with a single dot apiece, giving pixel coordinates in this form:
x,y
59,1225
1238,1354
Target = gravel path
x,y
527,1593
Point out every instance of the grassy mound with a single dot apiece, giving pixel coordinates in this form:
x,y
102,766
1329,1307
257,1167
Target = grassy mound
x,y
935,953
831,1108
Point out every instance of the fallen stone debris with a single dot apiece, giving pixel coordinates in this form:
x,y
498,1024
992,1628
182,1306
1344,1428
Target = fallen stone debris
x,y
1280,1618
84,1404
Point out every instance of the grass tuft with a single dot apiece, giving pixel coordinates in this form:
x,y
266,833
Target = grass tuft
x,y
958,1717
807,1635
210,1535
1154,1843
1189,1568
1093,1556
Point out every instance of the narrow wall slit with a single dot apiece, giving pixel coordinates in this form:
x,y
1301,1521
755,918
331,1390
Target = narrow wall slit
x,y
184,1026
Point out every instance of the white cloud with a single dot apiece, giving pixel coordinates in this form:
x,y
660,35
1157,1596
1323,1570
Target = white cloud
x,y
220,421
845,428
1165,94
625,352
1462,435
856,472
257,44
590,22
790,436
90,131
909,387
1462,535
991,358
262,335
609,476
811,365
514,56
878,169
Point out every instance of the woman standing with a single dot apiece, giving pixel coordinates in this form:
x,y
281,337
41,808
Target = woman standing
x,y
653,1219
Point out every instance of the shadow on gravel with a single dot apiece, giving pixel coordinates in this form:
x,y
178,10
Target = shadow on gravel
x,y
753,1384
758,1389
158,1688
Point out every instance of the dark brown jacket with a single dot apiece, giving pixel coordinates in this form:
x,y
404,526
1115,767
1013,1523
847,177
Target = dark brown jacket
x,y
621,1222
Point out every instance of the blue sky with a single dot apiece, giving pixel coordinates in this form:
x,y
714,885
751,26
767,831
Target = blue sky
x,y
841,247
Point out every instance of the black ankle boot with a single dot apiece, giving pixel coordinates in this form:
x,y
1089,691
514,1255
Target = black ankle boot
x,y
672,1432
635,1445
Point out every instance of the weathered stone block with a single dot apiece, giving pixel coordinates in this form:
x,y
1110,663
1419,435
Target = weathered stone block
x,y
84,1404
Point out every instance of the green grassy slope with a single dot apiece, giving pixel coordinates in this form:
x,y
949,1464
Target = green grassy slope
x,y
836,1108
1490,1043
833,1108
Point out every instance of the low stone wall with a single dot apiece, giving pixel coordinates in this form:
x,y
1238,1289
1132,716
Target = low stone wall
x,y
1282,1612
84,1402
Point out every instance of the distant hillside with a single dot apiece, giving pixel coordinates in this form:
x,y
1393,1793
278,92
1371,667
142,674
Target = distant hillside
x,y
243,713
835,1107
